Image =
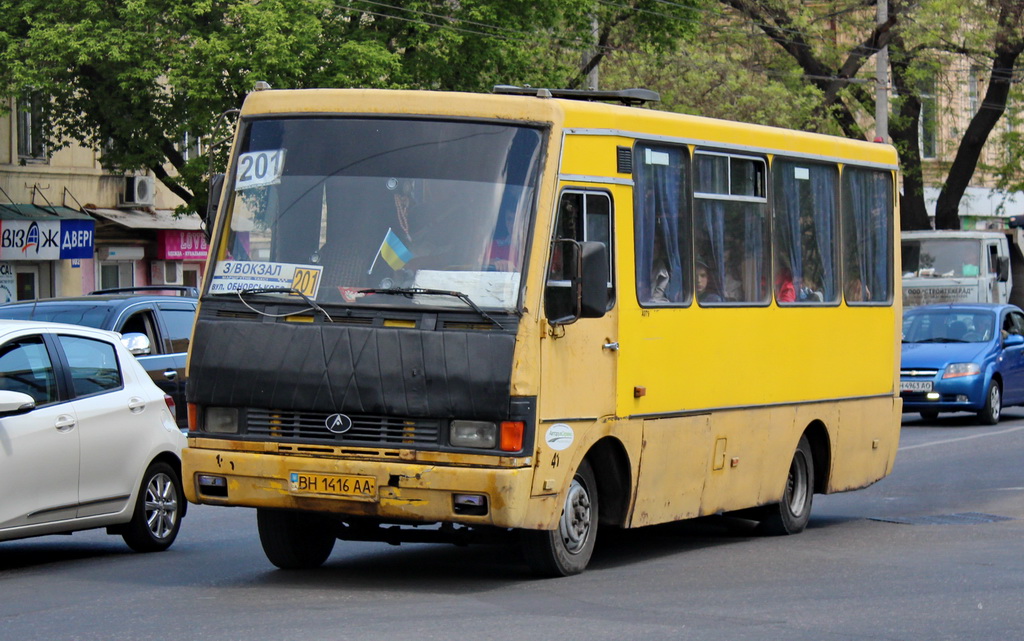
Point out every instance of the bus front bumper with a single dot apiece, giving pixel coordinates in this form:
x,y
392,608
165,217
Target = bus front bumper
x,y
398,492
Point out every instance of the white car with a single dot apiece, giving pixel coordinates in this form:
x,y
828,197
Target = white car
x,y
87,440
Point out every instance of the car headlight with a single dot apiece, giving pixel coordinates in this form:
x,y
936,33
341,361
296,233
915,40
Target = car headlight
x,y
956,370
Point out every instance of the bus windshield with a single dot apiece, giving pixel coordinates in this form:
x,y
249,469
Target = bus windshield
x,y
941,258
335,206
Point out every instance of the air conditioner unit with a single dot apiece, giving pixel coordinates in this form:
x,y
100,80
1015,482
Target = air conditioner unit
x,y
167,272
139,191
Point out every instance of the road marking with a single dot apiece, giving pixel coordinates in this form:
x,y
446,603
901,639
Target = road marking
x,y
962,438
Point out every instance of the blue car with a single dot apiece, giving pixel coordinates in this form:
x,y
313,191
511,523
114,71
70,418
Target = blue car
x,y
962,357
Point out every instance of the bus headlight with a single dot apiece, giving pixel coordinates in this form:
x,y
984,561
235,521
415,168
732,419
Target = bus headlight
x,y
221,420
956,370
476,434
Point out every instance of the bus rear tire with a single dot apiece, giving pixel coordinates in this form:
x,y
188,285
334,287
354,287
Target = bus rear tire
x,y
294,540
791,514
567,550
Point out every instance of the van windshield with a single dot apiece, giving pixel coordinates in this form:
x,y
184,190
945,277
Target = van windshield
x,y
332,206
941,258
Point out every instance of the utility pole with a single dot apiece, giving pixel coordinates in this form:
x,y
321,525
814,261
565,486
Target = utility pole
x,y
592,76
882,81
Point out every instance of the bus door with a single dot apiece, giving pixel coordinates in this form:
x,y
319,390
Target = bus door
x,y
578,359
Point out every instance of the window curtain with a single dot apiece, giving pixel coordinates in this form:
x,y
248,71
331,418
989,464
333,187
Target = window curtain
x,y
658,215
869,213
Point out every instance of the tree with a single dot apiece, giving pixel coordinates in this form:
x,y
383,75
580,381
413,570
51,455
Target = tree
x,y
132,77
919,35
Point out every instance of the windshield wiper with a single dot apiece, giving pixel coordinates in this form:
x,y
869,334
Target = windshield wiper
x,y
282,290
409,292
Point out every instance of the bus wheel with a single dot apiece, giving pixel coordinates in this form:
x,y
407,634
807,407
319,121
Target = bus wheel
x,y
294,540
989,415
568,549
791,514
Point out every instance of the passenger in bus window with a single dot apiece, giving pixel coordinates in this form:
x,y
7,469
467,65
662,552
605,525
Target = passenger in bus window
x,y
707,285
785,292
810,292
500,256
856,291
659,272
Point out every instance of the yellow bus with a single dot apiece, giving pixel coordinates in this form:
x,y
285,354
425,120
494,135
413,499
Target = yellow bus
x,y
440,316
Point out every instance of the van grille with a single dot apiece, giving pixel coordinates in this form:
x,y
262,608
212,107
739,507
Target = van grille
x,y
365,430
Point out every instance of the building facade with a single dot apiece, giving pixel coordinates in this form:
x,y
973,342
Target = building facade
x,y
69,227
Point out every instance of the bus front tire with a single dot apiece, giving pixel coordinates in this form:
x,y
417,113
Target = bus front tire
x,y
791,514
294,540
567,550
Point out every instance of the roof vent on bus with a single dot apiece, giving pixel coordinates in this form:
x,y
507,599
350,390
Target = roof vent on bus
x,y
629,97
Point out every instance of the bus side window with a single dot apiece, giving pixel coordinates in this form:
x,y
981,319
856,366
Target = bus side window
x,y
867,222
661,224
806,230
730,227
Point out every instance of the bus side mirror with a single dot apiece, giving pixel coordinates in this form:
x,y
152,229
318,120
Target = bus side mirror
x,y
213,198
1004,269
593,281
577,282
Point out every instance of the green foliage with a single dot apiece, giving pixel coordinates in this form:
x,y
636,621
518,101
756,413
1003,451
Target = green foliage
x,y
132,77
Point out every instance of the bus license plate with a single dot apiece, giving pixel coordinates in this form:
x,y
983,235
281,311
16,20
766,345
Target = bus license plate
x,y
360,487
915,386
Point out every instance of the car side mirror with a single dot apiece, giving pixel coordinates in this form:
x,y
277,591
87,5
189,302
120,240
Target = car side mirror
x,y
1013,340
138,344
1004,269
15,403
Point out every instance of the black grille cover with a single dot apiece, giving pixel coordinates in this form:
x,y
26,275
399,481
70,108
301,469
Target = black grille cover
x,y
358,370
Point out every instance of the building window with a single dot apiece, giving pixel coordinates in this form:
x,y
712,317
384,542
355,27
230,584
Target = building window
x,y
973,82
929,119
191,146
31,142
116,274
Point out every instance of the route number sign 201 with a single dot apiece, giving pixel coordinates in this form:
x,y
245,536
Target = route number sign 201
x,y
259,168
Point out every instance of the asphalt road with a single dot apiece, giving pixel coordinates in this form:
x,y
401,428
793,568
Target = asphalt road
x,y
933,552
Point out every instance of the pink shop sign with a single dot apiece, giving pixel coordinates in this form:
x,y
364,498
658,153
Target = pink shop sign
x,y
177,244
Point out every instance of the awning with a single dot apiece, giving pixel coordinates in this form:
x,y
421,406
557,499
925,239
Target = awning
x,y
155,219
28,211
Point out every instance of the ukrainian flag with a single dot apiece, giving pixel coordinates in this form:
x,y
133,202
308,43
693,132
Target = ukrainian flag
x,y
394,252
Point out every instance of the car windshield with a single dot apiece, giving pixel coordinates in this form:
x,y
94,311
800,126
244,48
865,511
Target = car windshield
x,y
78,314
941,258
948,326
333,206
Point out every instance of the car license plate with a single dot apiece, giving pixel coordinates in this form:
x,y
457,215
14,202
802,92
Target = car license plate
x,y
915,386
360,487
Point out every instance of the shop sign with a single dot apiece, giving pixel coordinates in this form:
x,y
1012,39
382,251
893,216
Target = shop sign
x,y
7,283
180,244
46,239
